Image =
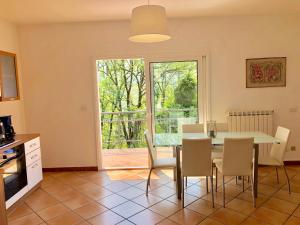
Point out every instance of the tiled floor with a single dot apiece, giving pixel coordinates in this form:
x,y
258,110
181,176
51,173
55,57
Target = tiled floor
x,y
118,197
131,157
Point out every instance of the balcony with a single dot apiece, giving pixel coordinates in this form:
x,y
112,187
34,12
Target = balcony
x,y
123,142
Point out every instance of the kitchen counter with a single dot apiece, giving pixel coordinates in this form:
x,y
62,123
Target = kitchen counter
x,y
19,139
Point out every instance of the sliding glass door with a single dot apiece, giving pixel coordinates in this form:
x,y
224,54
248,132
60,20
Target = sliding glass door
x,y
139,94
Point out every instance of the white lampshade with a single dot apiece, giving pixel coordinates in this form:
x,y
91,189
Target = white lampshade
x,y
149,24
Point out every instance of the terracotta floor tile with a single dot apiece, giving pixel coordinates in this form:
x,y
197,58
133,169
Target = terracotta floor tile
x,y
167,222
293,221
64,194
266,189
203,207
209,221
77,201
106,218
297,212
163,192
254,221
31,219
127,209
270,216
284,195
218,197
52,211
241,206
187,217
165,208
90,210
125,222
40,200
131,193
228,216
196,191
18,211
68,218
147,201
247,196
112,201
57,187
280,205
117,186
97,194
188,199
146,217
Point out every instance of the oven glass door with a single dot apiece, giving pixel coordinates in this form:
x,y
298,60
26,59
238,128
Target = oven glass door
x,y
15,176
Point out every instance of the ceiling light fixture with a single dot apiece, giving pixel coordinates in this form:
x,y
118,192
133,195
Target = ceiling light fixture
x,y
149,24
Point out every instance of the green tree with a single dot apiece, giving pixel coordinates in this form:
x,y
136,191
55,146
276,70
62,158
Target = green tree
x,y
186,92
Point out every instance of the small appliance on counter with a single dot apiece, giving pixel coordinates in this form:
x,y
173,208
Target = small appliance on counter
x,y
7,132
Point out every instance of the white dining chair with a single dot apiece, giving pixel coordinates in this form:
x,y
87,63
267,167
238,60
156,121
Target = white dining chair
x,y
217,151
155,163
237,160
277,153
196,161
193,128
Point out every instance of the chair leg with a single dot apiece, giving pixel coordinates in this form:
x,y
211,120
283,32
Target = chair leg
x,y
253,197
148,181
216,179
206,184
277,174
185,181
223,185
212,190
243,184
182,194
236,180
174,174
288,179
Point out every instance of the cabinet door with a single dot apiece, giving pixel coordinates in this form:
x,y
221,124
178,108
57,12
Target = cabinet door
x,y
34,173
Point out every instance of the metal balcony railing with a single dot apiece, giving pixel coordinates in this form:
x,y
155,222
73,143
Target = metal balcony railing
x,y
126,129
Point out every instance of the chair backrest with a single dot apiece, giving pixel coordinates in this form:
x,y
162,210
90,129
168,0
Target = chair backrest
x,y
192,128
222,127
278,149
237,156
196,157
151,150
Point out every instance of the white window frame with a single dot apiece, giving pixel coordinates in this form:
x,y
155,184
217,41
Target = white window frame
x,y
204,96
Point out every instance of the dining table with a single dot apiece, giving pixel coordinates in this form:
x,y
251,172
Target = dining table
x,y
175,140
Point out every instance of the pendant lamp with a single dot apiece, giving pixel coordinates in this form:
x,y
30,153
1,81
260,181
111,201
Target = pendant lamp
x,y
149,24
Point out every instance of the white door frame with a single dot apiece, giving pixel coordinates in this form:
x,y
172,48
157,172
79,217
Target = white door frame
x,y
204,102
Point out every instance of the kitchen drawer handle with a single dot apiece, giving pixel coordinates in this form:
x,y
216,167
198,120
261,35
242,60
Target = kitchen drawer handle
x,y
35,165
34,156
32,145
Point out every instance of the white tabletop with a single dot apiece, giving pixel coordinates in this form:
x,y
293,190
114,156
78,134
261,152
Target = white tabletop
x,y
173,139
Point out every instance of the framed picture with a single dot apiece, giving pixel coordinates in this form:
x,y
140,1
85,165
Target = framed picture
x,y
266,72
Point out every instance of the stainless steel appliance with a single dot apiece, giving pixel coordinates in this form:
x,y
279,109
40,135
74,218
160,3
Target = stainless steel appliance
x,y
13,162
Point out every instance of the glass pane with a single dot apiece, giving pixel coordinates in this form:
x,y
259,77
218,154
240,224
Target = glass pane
x,y
123,112
8,76
174,96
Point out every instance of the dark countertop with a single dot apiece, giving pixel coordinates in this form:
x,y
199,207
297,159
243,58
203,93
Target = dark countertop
x,y
19,139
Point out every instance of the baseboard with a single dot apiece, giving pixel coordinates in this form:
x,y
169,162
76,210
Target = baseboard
x,y
69,169
296,162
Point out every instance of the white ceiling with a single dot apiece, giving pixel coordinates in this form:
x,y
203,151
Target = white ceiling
x,y
49,11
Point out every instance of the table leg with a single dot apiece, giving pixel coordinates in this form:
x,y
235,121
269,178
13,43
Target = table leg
x,y
3,217
255,182
178,173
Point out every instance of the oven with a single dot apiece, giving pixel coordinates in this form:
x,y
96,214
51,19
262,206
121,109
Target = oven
x,y
13,163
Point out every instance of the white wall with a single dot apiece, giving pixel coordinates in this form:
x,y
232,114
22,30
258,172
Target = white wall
x,y
58,71
9,43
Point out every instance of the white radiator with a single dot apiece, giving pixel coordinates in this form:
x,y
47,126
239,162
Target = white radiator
x,y
261,120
